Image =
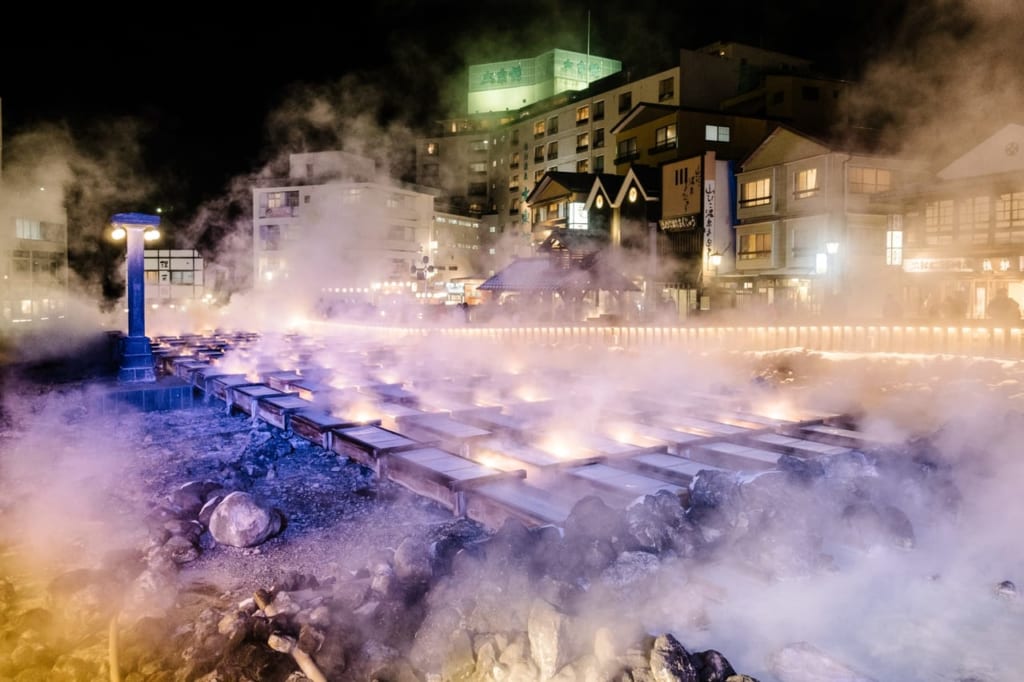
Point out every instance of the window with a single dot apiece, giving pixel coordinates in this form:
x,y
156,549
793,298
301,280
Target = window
x,y
270,237
537,175
478,167
716,133
599,110
938,222
552,125
582,142
666,89
538,128
515,138
869,180
894,240
806,183
432,149
514,160
583,166
583,114
1009,223
480,145
538,153
599,138
28,229
553,150
973,220
626,150
625,102
599,164
665,137
754,246
756,193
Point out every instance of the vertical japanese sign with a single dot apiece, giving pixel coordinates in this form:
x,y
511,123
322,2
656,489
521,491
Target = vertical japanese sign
x,y
709,225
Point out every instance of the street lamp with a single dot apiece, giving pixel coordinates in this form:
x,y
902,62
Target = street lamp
x,y
137,363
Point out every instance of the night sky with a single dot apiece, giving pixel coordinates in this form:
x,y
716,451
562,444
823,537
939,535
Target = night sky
x,y
198,88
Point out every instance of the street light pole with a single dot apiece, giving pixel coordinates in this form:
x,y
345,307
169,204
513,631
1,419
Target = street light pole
x,y
137,362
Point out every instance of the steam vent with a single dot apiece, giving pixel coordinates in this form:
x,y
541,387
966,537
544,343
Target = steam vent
x,y
373,505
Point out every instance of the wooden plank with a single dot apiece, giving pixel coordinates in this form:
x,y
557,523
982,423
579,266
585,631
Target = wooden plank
x,y
801,447
734,456
671,467
623,483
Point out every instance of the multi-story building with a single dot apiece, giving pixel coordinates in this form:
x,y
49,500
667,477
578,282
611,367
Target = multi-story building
x,y
488,162
33,250
813,235
962,234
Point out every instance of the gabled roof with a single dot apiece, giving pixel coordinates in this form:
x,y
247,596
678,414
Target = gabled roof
x,y
785,141
606,184
641,114
1001,152
559,183
544,274
646,179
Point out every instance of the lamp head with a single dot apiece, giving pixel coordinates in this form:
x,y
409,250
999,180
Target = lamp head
x,y
715,259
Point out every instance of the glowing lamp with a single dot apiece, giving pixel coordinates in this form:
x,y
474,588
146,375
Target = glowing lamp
x,y
832,248
715,259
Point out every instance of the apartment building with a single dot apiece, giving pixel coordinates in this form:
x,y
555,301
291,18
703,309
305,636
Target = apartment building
x,y
331,226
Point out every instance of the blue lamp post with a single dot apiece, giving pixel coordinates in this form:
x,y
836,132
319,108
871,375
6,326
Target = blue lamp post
x,y
137,362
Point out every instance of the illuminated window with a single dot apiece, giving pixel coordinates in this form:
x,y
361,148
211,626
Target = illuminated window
x,y
577,218
869,180
938,222
583,166
665,137
553,150
538,174
582,142
806,183
478,167
432,149
538,128
894,241
582,114
538,153
28,229
716,133
754,246
974,220
756,193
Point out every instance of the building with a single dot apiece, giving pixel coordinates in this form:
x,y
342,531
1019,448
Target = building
x,y
33,250
958,235
487,163
813,235
174,277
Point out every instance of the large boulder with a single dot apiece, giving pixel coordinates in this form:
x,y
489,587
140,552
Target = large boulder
x,y
240,520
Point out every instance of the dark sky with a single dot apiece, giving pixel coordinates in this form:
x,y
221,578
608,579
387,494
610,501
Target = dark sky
x,y
195,90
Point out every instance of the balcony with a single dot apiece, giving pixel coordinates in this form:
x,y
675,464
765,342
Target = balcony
x,y
279,212
663,147
628,157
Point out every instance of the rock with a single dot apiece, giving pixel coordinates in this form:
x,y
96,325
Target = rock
x,y
549,632
240,521
670,661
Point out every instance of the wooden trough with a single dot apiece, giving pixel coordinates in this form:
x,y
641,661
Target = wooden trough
x,y
735,456
449,433
317,425
245,398
441,475
222,384
276,410
369,443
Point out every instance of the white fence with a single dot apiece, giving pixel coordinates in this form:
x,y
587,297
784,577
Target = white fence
x,y
857,338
